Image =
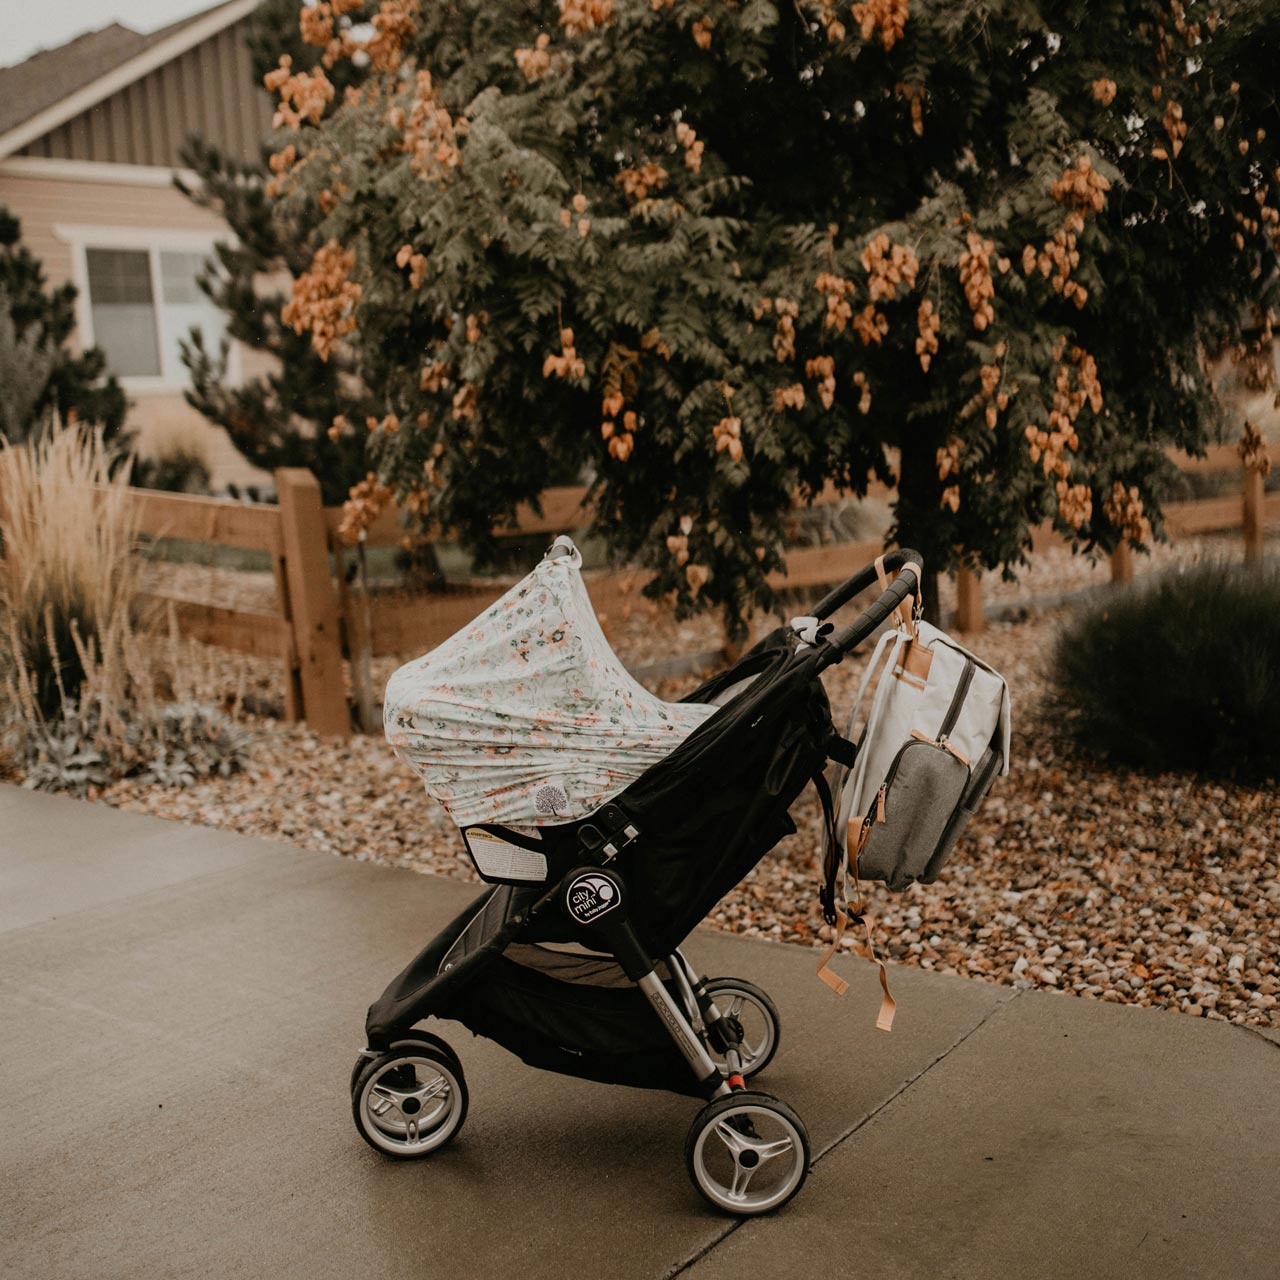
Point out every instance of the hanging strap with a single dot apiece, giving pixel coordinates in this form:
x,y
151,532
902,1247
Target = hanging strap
x,y
888,1005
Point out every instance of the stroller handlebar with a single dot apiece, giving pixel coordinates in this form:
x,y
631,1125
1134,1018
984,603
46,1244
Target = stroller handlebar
x,y
906,563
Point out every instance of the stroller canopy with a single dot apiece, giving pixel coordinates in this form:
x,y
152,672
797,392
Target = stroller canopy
x,y
526,716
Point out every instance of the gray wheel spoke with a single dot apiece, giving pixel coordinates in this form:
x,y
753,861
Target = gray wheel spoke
x,y
741,1180
731,1137
771,1150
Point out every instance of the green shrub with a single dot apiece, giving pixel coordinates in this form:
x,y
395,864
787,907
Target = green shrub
x,y
1179,673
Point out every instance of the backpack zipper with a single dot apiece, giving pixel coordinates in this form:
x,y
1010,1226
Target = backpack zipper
x,y
957,700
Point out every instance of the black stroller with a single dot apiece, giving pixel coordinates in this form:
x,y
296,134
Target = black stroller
x,y
575,967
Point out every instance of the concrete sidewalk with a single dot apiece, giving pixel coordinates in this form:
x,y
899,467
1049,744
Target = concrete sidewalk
x,y
181,1008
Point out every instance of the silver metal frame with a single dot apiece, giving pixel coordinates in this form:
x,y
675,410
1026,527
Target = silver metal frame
x,y
688,1041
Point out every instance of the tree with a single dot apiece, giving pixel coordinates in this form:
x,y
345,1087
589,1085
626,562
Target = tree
x,y
39,377
715,256
281,417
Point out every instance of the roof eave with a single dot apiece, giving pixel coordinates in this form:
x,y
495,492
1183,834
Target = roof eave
x,y
125,74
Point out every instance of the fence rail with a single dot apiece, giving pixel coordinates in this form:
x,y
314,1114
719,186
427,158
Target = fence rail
x,y
318,619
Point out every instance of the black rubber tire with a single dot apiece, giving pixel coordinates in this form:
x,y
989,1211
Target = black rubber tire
x,y
445,1062
715,985
413,1036
711,1114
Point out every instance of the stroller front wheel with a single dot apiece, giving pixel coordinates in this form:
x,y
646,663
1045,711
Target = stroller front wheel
x,y
747,1153
410,1101
415,1036
757,1016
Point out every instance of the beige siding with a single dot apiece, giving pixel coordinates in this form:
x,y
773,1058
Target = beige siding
x,y
209,91
43,203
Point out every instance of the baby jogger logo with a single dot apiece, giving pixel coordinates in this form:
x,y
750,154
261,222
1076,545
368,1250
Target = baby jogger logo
x,y
591,896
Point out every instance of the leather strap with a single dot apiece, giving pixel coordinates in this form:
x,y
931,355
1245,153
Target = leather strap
x,y
902,618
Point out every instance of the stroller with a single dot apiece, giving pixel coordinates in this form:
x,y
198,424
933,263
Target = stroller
x,y
609,824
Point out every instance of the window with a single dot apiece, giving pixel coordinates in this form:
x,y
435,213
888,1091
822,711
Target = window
x,y
141,300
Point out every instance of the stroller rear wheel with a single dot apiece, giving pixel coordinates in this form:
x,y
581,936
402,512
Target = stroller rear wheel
x,y
410,1101
756,1015
747,1153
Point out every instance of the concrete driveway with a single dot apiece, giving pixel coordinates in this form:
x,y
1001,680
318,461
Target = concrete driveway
x,y
181,1008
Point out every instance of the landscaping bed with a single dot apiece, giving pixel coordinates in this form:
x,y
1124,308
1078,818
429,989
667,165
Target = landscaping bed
x,y
1075,876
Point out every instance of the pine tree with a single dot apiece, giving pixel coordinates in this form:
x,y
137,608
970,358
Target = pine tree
x,y
281,417
39,377
710,256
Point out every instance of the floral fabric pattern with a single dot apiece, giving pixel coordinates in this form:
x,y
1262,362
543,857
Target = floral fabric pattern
x,y
526,716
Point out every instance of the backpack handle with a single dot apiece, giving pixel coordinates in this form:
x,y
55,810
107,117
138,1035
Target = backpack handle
x,y
903,561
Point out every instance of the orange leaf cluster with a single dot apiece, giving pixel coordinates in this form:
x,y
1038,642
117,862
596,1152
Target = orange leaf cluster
x,y
1075,503
870,325
864,400
393,28
784,336
951,498
948,459
433,377
837,291
728,437
791,397
1253,450
637,182
914,94
928,321
1124,509
567,364
975,279
416,262
464,402
1058,257
1104,91
324,299
830,21
693,149
388,426
1081,187
303,96
430,132
888,265
475,326
621,443
697,576
888,18
578,17
702,30
535,62
823,368
1176,127
365,502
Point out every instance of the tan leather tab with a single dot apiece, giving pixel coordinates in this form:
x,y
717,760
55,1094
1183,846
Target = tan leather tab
x,y
825,972
916,660
880,573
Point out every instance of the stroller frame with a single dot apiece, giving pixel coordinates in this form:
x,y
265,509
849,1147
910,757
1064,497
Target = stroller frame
x,y
409,1095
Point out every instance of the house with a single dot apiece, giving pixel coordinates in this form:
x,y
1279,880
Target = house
x,y
90,135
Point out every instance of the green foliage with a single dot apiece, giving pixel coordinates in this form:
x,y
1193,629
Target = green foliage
x,y
279,418
1183,673
521,278
170,745
40,379
180,469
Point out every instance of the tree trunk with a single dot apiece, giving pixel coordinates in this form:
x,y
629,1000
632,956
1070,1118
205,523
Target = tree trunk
x,y
919,494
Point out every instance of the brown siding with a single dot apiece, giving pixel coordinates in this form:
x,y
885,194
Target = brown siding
x,y
208,91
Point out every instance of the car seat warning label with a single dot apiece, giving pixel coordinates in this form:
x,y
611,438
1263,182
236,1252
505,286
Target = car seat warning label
x,y
501,860
590,897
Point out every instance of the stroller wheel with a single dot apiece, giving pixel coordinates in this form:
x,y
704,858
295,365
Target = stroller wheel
x,y
747,1153
410,1101
415,1036
758,1018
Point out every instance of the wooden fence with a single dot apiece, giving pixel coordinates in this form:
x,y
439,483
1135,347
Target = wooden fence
x,y
321,616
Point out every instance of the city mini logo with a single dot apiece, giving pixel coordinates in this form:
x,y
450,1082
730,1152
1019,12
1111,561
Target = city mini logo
x,y
591,896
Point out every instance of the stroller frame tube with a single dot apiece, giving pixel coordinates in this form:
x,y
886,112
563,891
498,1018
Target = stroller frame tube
x,y
595,898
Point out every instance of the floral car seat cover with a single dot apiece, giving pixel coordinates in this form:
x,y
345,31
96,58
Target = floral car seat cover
x,y
526,716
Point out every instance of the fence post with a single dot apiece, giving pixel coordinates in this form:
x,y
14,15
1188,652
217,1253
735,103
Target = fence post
x,y
1254,485
969,615
313,605
1122,563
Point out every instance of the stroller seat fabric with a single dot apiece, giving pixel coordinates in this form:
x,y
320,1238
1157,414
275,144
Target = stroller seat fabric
x,y
526,716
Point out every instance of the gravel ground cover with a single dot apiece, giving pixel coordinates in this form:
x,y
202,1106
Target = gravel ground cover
x,y
1077,877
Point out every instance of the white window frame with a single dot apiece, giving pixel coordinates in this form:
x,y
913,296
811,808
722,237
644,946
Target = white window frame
x,y
155,241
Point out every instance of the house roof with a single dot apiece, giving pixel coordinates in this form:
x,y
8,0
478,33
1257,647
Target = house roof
x,y
53,84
